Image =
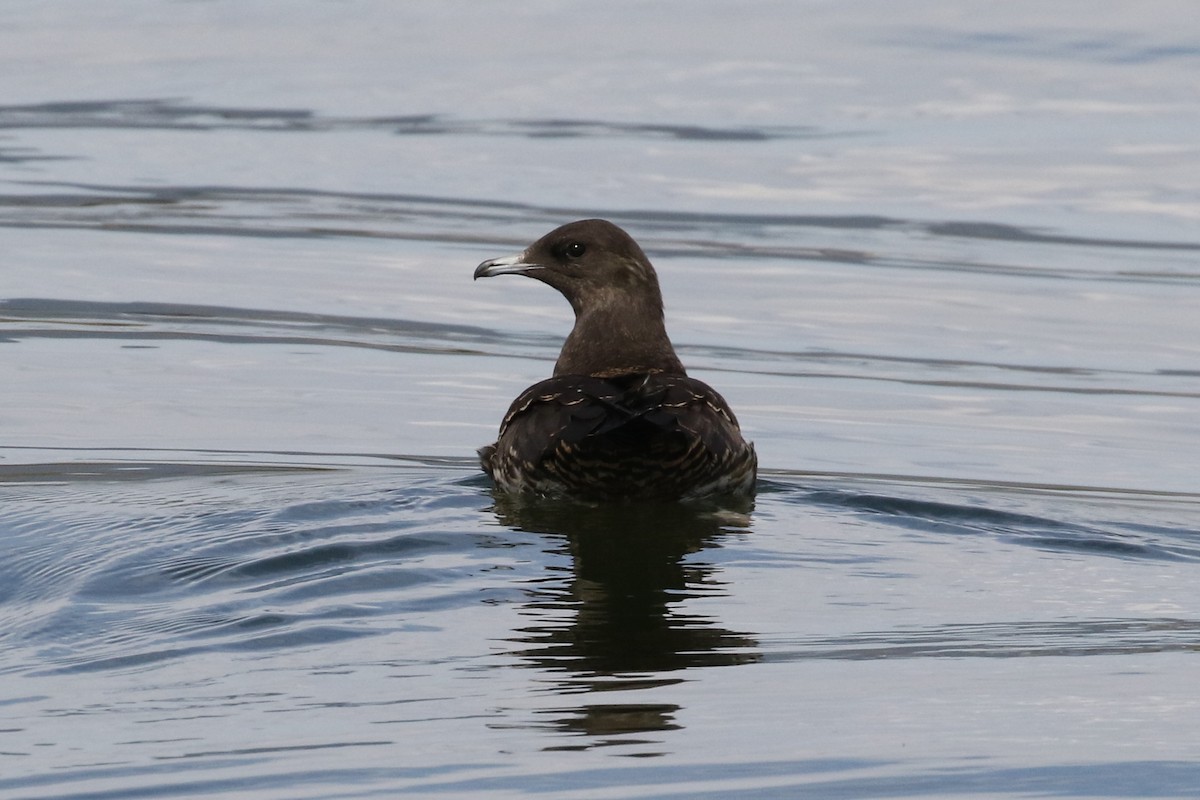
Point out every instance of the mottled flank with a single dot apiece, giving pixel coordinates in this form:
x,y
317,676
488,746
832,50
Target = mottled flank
x,y
620,419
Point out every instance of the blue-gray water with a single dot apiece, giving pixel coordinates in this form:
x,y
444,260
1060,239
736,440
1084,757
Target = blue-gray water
x,y
944,262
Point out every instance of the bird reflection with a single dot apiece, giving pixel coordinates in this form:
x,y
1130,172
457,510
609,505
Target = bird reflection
x,y
617,621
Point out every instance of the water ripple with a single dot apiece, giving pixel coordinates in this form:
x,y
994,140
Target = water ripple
x,y
1017,639
164,114
307,213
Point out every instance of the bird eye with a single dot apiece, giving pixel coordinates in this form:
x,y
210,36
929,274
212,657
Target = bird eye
x,y
575,249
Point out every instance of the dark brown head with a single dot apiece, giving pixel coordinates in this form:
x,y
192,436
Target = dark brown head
x,y
614,291
591,261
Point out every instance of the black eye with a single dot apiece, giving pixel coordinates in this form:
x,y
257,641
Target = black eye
x,y
575,249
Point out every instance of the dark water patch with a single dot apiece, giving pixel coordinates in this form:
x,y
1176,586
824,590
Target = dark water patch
x,y
926,371
173,114
1102,47
1022,387
137,464
1080,637
1135,537
805,480
48,318
133,312
835,356
1034,531
106,471
555,128
22,155
986,385
314,561
151,113
1011,233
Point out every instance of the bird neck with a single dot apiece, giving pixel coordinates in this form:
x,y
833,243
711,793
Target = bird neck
x,y
619,338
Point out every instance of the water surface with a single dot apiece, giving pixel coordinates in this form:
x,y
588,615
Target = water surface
x,y
943,267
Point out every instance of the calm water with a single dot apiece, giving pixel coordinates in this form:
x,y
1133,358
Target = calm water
x,y
945,265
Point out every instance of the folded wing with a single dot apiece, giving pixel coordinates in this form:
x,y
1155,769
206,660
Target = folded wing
x,y
638,436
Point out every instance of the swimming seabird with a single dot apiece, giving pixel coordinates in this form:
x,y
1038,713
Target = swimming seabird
x,y
620,418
